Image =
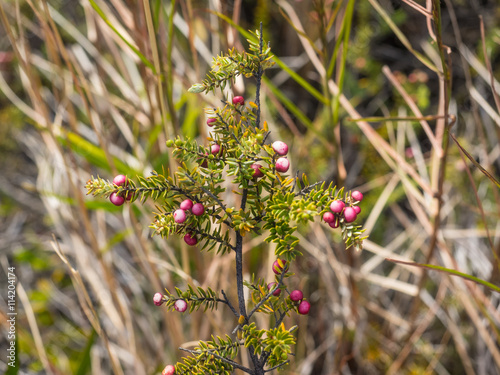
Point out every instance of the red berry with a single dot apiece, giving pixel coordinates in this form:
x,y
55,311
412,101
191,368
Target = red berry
x,y
296,295
271,286
281,148
179,216
357,209
190,240
186,204
168,370
282,165
279,266
328,217
350,214
215,149
357,195
211,121
257,172
198,209
158,299
335,223
180,305
304,308
238,100
202,161
116,199
337,206
120,180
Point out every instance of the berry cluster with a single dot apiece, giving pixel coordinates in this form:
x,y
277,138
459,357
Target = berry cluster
x,y
346,210
180,217
282,164
296,296
116,198
180,304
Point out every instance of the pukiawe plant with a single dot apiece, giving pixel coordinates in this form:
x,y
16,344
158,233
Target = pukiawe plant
x,y
191,204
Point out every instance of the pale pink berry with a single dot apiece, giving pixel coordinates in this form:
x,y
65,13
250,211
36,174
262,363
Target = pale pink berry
x,y
335,223
179,216
328,217
282,165
214,149
357,195
116,199
304,308
296,295
180,305
168,370
281,148
279,268
350,214
119,180
271,286
211,121
256,170
238,100
357,209
198,209
158,299
337,206
186,204
190,239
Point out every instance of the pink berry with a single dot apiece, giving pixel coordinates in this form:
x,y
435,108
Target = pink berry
x,y
281,148
296,295
304,308
198,209
357,195
238,100
271,286
168,370
180,305
282,165
350,214
337,206
257,172
116,199
279,268
119,180
357,209
179,216
190,239
211,121
186,204
129,196
158,299
335,223
214,149
203,161
328,217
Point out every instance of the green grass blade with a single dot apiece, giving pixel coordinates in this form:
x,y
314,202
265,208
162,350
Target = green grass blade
x,y
85,365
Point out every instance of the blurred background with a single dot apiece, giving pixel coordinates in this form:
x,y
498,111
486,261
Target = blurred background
x,y
96,88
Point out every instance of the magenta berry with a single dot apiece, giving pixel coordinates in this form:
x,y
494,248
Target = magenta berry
x,y
211,121
279,266
271,286
168,370
328,217
116,199
215,149
335,223
120,180
357,209
180,305
357,195
350,214
282,165
179,216
257,172
190,239
304,308
186,204
238,100
296,295
198,209
281,148
158,299
337,206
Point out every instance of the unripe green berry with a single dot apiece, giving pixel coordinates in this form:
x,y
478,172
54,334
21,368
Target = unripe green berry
x,y
170,143
179,142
